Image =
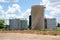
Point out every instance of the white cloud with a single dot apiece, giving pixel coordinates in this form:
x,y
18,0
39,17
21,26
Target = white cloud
x,y
13,11
1,12
1,7
9,0
10,16
54,7
26,13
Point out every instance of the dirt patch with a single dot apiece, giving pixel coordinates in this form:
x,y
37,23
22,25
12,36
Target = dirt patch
x,y
24,36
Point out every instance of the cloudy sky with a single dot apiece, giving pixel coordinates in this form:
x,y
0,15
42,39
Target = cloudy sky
x,y
22,8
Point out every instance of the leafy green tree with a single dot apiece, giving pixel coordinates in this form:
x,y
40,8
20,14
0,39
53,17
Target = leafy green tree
x,y
1,23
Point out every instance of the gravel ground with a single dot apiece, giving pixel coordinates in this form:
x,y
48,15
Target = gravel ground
x,y
24,36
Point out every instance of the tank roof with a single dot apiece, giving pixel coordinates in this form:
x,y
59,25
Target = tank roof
x,y
38,6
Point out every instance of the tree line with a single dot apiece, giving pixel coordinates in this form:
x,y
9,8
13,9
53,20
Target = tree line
x,y
2,24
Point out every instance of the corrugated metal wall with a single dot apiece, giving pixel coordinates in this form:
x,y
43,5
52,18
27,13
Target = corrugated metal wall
x,y
18,24
51,24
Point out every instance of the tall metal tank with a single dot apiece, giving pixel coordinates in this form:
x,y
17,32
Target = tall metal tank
x,y
37,15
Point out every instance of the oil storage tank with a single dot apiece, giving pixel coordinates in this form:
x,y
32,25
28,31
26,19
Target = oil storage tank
x,y
37,16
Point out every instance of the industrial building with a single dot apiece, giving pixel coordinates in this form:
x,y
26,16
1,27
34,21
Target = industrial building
x,y
50,23
17,24
36,20
37,17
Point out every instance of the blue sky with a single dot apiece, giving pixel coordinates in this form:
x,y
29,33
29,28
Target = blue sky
x,y
24,4
22,8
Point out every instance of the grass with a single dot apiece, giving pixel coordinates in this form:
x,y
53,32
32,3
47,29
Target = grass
x,y
43,32
32,32
58,28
